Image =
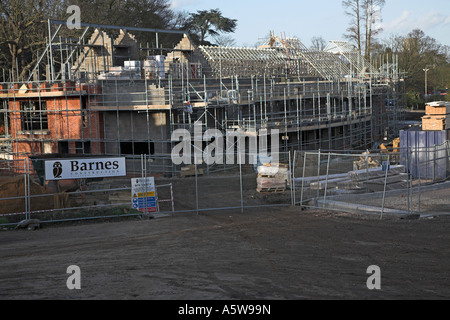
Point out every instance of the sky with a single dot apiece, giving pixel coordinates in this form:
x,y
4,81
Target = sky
x,y
306,19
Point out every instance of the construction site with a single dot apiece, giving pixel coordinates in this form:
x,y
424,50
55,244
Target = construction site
x,y
106,95
354,181
97,95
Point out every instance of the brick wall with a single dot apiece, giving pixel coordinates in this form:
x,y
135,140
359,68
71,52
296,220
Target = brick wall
x,y
68,118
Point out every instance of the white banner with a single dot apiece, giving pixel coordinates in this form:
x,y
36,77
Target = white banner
x,y
67,169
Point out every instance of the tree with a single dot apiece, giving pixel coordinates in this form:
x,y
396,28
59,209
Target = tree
x,y
318,43
153,14
23,32
132,13
353,10
204,23
224,40
372,14
416,51
364,16
421,52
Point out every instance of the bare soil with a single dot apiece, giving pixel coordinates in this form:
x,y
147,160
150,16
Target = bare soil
x,y
270,253
12,187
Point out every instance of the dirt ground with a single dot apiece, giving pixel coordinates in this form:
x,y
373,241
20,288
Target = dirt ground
x,y
261,254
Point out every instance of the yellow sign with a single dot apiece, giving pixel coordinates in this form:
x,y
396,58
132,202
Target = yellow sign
x,y
141,195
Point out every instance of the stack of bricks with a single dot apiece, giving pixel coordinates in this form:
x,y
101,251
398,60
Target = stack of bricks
x,y
437,116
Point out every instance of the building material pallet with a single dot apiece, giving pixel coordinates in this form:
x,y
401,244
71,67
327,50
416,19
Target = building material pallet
x,y
189,171
271,190
437,116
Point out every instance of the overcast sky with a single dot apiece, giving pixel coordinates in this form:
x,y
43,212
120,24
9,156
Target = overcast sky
x,y
305,19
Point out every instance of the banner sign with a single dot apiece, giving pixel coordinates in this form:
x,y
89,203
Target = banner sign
x,y
84,168
143,194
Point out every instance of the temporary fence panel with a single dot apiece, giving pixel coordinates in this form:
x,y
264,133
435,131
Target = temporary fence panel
x,y
15,186
377,183
205,188
351,182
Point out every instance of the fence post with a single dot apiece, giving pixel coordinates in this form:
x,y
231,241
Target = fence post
x,y
171,197
29,187
290,179
385,182
303,179
318,175
26,187
240,181
144,178
146,187
28,193
418,176
434,165
156,198
293,176
326,181
367,164
410,184
196,183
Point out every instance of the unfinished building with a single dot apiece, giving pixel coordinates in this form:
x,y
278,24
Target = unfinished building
x,y
108,96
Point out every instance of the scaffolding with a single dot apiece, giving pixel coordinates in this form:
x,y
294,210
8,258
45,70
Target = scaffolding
x,y
95,100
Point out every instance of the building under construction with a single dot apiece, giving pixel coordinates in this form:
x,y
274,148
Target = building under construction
x,y
101,94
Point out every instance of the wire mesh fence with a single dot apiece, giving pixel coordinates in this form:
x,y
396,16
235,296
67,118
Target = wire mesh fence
x,y
408,181
26,194
398,183
14,199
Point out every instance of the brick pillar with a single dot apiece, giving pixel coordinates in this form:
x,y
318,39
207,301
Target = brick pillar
x,y
44,87
56,87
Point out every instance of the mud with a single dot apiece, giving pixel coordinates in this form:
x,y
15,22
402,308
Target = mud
x,y
271,253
